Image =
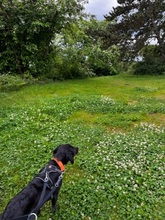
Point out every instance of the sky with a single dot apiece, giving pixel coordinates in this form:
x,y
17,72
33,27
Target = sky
x,y
100,7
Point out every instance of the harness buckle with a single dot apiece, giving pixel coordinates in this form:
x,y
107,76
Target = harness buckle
x,y
33,214
59,180
46,178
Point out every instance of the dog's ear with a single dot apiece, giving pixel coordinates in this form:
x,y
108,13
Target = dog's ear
x,y
58,153
55,151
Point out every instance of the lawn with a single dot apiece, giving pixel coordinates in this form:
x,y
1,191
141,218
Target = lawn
x,y
117,122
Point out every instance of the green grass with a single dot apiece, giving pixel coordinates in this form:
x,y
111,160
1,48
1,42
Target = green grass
x,y
133,87
117,122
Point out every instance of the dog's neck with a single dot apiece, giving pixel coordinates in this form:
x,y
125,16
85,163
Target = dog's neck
x,y
60,164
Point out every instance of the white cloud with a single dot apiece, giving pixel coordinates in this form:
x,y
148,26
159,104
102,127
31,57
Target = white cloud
x,y
100,7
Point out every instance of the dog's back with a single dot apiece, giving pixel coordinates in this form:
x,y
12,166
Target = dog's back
x,y
22,203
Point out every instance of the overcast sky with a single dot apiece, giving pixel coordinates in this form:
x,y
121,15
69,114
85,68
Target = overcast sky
x,y
100,7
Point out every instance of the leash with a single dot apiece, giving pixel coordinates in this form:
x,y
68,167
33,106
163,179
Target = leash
x,y
42,200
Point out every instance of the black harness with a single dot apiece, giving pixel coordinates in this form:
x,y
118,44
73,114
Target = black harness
x,y
48,183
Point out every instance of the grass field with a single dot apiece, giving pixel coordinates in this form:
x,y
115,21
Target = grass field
x,y
117,122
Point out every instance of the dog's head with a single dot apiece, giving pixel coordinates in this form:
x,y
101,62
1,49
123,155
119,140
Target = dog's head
x,y
65,153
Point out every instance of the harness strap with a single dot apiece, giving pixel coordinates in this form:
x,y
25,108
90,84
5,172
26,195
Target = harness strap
x,y
24,217
36,209
43,200
47,178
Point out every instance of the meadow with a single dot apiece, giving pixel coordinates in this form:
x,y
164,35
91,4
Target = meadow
x,y
118,123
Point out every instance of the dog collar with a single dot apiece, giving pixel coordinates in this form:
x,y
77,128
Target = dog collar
x,y
60,164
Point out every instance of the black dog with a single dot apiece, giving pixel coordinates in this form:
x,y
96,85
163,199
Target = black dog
x,y
26,201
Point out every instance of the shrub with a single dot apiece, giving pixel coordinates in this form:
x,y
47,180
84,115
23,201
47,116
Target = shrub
x,y
152,63
149,67
10,82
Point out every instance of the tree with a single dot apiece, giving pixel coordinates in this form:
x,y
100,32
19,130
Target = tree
x,y
134,23
80,55
27,30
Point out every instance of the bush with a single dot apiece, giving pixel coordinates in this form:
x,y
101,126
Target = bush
x,y
103,63
148,67
152,63
10,82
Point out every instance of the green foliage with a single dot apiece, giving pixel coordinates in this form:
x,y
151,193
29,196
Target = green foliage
x,y
49,40
152,63
119,171
149,67
76,55
103,62
8,82
27,30
68,63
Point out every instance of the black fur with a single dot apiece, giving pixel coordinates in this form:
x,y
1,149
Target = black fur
x,y
25,201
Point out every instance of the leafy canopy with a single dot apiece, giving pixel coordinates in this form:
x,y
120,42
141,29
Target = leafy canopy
x,y
27,30
134,23
77,55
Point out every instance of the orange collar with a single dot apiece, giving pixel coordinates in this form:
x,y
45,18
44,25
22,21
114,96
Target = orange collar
x,y
60,164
